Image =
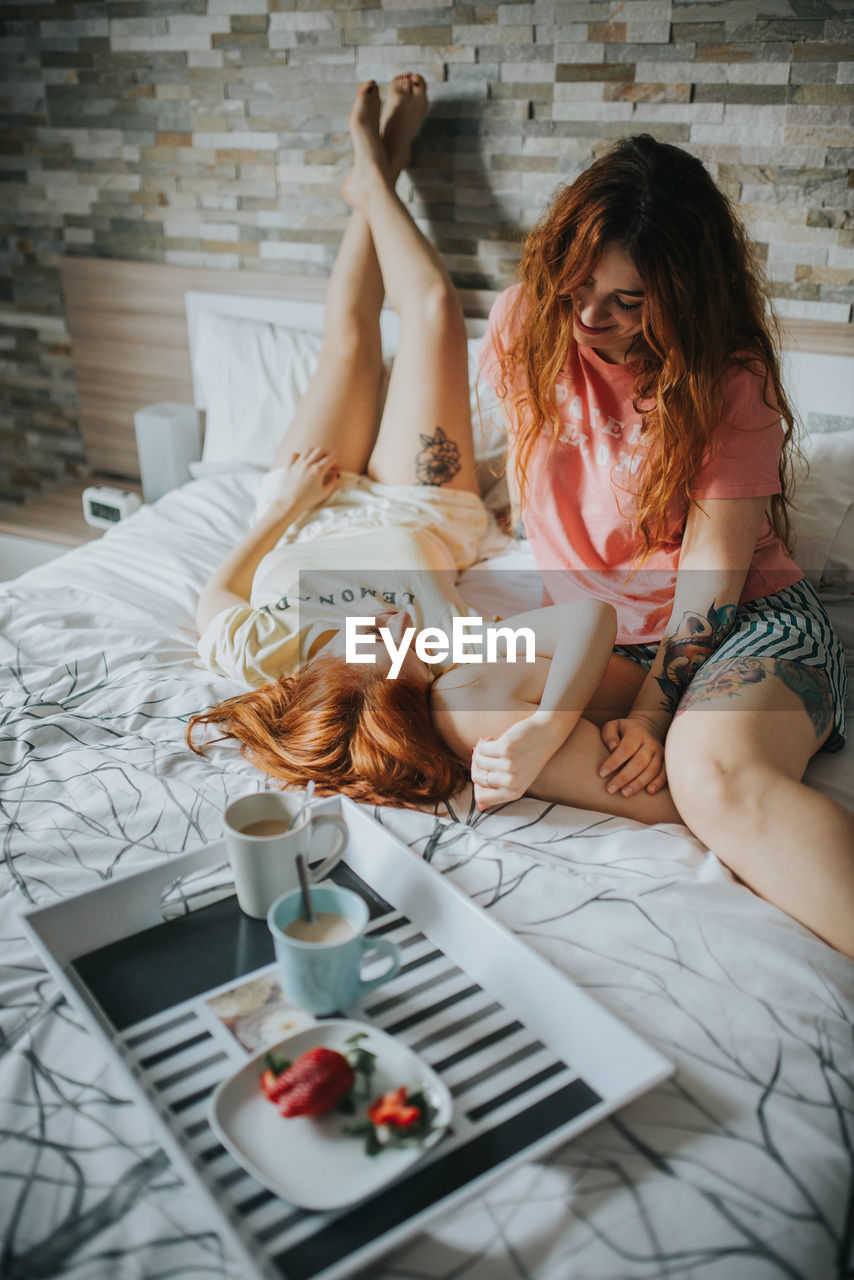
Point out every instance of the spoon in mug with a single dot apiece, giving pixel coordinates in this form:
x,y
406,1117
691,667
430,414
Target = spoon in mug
x,y
302,873
309,792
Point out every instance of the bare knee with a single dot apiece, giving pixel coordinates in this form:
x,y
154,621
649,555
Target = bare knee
x,y
716,792
438,308
352,338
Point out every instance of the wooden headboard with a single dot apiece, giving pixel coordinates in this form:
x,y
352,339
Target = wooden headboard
x,y
130,345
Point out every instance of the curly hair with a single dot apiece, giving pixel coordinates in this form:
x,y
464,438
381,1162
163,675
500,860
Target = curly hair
x,y
348,728
705,306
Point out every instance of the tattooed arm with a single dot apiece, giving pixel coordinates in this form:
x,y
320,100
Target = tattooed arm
x,y
717,548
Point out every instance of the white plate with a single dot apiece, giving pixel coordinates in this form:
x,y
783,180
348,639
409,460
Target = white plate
x,y
313,1163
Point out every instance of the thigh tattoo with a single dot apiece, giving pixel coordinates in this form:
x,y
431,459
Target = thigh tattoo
x,y
726,679
438,460
693,642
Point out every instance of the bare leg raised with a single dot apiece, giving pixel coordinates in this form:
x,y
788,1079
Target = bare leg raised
x,y
341,408
425,435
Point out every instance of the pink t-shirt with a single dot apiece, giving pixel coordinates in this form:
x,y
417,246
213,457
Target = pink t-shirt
x,y
580,504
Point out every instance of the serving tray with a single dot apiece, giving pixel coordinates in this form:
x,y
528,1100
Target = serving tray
x,y
530,1059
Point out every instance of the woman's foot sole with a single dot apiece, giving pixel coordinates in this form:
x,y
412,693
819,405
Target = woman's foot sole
x,y
404,109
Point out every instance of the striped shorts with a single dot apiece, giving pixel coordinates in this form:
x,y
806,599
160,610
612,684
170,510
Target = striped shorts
x,y
791,625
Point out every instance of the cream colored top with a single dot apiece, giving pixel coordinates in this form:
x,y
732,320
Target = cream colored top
x,y
304,591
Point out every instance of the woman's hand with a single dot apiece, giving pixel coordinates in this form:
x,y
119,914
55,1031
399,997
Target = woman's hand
x,y
308,479
502,769
636,761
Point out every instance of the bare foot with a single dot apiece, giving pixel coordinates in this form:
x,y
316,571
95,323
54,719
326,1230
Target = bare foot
x,y
405,107
369,156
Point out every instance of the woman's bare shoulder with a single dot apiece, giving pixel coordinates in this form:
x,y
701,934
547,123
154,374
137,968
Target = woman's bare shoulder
x,y
470,702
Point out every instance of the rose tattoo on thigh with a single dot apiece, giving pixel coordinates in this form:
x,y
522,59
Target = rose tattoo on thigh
x,y
438,460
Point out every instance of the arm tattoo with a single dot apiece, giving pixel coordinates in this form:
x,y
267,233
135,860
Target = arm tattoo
x,y
693,642
439,459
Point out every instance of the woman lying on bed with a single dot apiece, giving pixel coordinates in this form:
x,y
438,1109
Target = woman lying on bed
x,y
376,523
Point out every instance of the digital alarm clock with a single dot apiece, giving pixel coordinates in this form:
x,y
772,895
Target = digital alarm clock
x,y
104,506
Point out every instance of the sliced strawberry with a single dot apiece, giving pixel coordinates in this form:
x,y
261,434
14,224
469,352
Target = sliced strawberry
x,y
314,1084
392,1109
273,1084
268,1083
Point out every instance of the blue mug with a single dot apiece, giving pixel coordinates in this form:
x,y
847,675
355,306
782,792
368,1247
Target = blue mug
x,y
320,964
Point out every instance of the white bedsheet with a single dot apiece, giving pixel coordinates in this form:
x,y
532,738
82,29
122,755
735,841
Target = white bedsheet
x,y
738,1168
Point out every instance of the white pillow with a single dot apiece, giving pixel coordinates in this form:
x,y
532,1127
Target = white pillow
x,y
489,427
839,566
822,511
251,377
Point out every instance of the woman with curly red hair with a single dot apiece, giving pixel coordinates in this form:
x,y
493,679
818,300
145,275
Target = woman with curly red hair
x,y
651,441
375,521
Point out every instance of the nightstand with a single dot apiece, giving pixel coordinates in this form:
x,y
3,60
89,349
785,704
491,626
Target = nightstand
x,y
45,526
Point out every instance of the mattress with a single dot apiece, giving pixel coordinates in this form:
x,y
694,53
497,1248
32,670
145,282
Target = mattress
x,y
737,1168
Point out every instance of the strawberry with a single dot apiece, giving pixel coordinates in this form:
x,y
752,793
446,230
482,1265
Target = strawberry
x,y
268,1083
392,1109
272,1083
312,1085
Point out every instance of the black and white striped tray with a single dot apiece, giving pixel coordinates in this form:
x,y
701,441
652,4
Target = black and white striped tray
x,y
529,1058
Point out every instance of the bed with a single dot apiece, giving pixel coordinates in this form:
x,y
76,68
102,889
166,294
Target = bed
x,y
739,1167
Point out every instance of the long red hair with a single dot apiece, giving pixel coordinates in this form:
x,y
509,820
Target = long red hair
x,y
705,304
350,730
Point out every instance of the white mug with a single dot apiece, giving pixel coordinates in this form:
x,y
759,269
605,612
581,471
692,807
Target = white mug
x,y
263,851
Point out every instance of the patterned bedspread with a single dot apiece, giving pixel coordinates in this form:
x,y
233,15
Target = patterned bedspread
x,y
740,1167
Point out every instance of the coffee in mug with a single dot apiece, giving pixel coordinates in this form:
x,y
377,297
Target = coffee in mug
x,y
322,975
263,834
266,827
325,927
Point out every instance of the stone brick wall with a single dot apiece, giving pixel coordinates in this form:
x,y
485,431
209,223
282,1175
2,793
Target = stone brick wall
x,y
211,132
